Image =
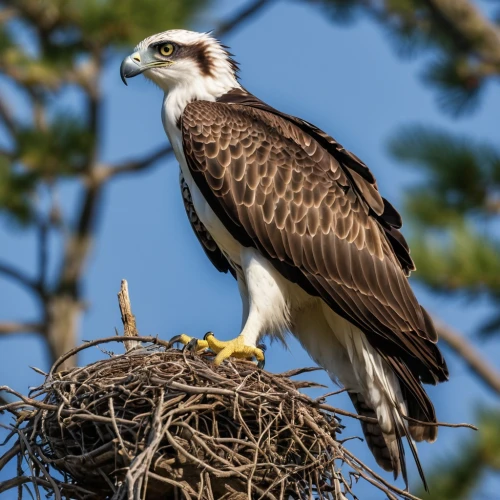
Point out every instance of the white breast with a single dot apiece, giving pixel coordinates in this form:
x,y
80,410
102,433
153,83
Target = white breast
x,y
229,246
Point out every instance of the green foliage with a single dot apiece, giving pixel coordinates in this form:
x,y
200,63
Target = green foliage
x,y
62,148
70,31
458,82
457,478
457,69
444,484
126,22
459,260
341,10
460,188
462,175
16,191
88,24
46,47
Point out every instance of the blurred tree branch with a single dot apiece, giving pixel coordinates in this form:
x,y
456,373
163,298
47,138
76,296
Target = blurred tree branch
x,y
48,149
138,165
19,277
6,117
240,17
466,23
474,360
7,328
464,42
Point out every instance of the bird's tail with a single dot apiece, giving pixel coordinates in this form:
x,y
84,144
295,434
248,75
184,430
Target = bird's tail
x,y
383,445
385,438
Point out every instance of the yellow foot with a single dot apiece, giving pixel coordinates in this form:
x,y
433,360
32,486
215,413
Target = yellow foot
x,y
223,349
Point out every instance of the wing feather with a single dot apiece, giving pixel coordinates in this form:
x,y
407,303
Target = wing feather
x,y
319,218
208,244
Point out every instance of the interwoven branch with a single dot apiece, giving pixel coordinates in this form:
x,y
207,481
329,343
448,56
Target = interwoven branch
x,y
157,422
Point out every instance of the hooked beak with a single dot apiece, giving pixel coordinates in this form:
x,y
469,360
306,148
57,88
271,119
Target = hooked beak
x,y
131,66
138,62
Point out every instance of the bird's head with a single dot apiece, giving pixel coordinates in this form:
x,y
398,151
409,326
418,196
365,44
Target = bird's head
x,y
181,58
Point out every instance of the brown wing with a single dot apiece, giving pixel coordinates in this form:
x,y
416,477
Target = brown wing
x,y
360,174
208,244
276,188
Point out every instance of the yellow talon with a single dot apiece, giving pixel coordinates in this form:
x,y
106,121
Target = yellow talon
x,y
235,348
224,349
185,339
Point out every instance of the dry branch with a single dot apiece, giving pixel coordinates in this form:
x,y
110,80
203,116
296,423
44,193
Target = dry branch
x,y
128,319
470,355
10,327
155,422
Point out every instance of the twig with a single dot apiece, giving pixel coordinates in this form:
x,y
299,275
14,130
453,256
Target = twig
x,y
440,424
136,165
170,416
19,276
7,118
43,255
9,327
477,363
66,303
128,319
76,350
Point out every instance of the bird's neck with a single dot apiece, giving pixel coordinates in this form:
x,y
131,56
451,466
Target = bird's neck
x,y
202,89
178,97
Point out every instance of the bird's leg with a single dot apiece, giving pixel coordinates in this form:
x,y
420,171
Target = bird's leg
x,y
264,310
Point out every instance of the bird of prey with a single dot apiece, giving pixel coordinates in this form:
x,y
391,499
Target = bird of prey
x,y
299,222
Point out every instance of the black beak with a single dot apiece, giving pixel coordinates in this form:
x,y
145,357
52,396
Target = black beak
x,y
130,68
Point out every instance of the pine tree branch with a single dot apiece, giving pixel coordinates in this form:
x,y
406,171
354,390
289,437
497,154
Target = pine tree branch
x,y
465,21
241,16
65,301
18,276
10,327
136,165
7,118
474,360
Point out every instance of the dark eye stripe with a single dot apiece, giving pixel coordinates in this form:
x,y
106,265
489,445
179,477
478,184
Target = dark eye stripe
x,y
161,44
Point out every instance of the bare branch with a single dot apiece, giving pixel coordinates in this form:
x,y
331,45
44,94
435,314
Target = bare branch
x,y
43,257
64,305
461,346
7,118
10,327
136,165
128,319
242,16
19,276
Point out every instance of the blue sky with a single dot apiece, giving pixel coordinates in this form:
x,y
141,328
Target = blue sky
x,y
346,80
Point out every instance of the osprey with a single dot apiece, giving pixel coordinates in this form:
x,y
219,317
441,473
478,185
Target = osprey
x,y
299,222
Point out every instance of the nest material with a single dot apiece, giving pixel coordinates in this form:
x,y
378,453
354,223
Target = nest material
x,y
166,424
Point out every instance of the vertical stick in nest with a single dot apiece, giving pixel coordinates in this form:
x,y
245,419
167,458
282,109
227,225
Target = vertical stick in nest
x,y
128,319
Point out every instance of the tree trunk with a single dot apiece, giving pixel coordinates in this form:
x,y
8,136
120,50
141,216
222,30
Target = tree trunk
x,y
63,325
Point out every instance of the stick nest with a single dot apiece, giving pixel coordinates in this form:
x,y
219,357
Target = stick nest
x,y
159,423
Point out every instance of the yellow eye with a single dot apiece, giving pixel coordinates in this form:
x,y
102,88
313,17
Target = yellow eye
x,y
166,50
